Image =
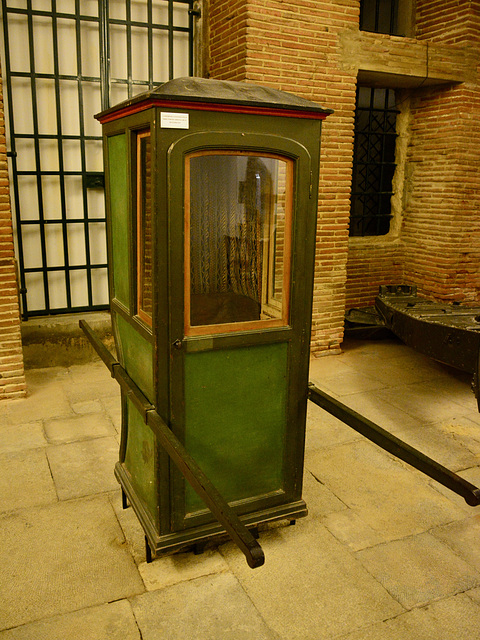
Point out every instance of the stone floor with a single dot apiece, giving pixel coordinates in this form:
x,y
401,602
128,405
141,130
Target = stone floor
x,y
385,553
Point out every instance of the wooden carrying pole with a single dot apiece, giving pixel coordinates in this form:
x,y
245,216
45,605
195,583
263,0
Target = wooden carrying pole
x,y
180,456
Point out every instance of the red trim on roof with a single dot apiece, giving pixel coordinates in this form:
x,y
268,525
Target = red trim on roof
x,y
207,106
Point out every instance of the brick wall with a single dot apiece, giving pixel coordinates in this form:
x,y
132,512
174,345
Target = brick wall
x,y
292,45
441,231
227,39
368,269
452,21
12,379
315,49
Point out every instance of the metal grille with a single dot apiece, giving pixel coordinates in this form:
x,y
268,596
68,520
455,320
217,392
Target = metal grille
x,y
64,61
373,162
379,16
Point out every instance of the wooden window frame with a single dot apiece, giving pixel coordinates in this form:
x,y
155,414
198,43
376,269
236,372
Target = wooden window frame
x,y
234,327
144,316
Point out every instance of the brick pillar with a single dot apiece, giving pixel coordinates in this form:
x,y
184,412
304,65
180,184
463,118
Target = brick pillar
x,y
12,378
292,45
441,230
227,39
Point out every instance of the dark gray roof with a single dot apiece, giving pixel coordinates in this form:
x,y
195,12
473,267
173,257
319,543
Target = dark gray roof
x,y
224,92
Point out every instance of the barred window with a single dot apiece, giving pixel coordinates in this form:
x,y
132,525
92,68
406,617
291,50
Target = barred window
x,y
379,16
373,162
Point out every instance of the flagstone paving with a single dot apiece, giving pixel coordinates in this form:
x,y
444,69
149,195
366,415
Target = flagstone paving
x,y
384,554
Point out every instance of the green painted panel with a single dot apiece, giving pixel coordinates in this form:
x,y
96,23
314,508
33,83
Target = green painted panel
x,y
117,177
140,458
235,419
137,356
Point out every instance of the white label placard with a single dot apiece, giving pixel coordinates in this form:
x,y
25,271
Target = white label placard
x,y
174,120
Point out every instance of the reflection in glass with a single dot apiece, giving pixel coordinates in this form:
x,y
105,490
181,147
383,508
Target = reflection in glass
x,y
144,228
238,239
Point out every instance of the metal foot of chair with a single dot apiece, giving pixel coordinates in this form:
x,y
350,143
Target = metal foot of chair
x,y
148,552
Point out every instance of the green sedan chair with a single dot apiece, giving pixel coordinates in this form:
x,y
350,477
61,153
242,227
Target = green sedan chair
x,y
211,193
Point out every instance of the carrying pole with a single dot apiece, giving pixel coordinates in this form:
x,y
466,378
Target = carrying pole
x,y
395,446
180,456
